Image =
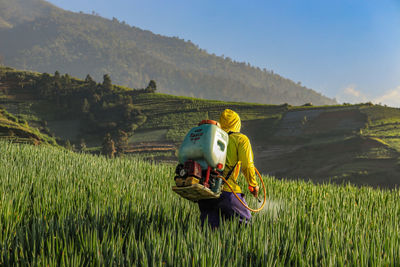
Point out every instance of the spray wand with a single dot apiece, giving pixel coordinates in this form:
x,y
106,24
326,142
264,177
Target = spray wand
x,y
252,189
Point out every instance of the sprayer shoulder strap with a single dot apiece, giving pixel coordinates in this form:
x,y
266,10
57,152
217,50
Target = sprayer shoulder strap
x,y
233,168
230,172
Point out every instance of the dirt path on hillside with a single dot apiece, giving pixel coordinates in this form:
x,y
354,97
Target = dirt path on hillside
x,y
142,147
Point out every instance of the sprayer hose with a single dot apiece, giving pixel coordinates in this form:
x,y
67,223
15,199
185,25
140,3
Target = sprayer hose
x,y
241,201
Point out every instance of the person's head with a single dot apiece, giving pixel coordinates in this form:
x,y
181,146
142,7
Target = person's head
x,y
230,121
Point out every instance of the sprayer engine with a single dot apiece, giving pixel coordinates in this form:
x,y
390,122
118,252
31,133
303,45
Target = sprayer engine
x,y
190,173
201,162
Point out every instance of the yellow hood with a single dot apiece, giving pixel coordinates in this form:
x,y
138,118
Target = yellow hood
x,y
230,121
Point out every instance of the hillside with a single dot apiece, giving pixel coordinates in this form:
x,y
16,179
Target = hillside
x,y
46,39
356,143
123,212
17,130
14,12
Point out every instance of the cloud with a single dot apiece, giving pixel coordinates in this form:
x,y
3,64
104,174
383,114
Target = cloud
x,y
351,91
351,95
390,98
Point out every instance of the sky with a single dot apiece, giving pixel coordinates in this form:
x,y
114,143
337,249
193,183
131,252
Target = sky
x,y
344,49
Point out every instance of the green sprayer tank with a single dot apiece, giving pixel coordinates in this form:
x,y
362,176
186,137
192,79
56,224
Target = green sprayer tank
x,y
206,144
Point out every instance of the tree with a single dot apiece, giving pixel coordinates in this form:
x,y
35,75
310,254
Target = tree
x,y
82,146
57,76
66,80
69,146
96,98
88,79
107,82
90,82
152,87
108,147
128,111
45,85
57,85
128,100
104,105
85,106
122,141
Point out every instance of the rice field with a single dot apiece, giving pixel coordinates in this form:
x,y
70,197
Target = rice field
x,y
59,208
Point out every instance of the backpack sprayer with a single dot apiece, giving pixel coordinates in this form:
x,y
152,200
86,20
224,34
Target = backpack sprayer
x,y
201,163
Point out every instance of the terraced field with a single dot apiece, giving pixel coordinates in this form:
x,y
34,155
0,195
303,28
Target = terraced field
x,y
179,114
339,144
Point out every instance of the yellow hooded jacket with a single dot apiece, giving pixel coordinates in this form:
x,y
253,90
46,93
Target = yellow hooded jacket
x,y
239,151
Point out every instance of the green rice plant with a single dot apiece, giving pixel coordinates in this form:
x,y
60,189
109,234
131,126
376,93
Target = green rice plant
x,y
59,208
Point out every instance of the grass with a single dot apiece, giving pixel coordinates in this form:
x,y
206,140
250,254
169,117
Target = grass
x,y
60,208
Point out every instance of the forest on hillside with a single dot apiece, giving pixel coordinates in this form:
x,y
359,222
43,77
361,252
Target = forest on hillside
x,y
104,107
79,43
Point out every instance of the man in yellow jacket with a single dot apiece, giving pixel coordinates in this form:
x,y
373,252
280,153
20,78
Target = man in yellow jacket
x,y
239,156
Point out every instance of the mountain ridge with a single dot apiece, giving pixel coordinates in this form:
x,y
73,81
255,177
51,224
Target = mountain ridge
x,y
78,44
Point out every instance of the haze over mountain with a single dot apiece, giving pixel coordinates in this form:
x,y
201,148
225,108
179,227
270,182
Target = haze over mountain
x,y
36,35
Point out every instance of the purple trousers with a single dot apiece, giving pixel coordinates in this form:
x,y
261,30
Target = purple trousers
x,y
227,205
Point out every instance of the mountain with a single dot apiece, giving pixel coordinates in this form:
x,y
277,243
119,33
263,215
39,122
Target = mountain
x,y
14,12
342,143
39,36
